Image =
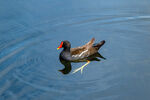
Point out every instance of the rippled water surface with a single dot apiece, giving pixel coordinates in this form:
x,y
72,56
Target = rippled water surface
x,y
31,30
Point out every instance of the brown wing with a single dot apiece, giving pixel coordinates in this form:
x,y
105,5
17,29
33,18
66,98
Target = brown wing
x,y
79,50
90,43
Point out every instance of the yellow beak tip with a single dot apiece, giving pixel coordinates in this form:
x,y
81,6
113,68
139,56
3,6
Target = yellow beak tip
x,y
58,48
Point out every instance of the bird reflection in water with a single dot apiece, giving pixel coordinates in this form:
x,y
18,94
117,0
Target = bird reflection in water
x,y
67,64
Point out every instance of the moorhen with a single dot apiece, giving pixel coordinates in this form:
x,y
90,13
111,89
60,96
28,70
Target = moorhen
x,y
79,53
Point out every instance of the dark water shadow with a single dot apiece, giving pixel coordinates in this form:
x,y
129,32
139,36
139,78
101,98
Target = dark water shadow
x,y
67,64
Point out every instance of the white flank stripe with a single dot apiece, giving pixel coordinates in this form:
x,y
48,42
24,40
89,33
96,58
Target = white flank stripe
x,y
80,54
83,53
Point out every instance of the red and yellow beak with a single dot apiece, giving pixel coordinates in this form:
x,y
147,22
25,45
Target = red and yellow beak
x,y
60,46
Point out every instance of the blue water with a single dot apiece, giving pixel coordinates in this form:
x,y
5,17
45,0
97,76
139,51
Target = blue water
x,y
31,30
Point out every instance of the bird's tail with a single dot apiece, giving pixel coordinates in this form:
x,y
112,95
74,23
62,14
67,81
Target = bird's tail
x,y
98,45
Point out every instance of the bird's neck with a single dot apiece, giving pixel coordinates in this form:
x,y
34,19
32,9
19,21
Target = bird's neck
x,y
67,49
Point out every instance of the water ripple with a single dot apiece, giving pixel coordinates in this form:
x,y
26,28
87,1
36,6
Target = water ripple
x,y
38,63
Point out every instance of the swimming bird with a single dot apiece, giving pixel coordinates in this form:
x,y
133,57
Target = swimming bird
x,y
80,53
